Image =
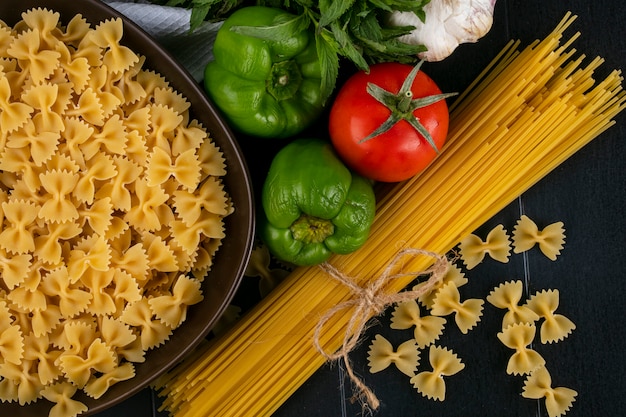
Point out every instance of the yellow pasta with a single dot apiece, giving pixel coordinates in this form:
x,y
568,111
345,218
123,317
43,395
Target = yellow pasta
x,y
508,296
530,110
60,394
497,245
555,327
453,274
11,338
444,363
104,235
381,354
558,400
427,329
518,337
551,239
467,313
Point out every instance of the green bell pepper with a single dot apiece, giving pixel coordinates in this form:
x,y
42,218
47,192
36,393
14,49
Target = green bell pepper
x,y
265,87
313,205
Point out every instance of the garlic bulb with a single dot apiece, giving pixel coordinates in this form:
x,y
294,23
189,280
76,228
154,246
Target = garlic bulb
x,y
448,24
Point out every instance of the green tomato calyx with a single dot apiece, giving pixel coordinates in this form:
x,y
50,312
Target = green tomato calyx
x,y
284,80
310,229
402,105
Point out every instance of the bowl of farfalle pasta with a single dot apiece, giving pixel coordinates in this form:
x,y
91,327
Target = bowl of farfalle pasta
x,y
125,204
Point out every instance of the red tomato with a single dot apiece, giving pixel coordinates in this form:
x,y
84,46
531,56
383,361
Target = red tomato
x,y
400,152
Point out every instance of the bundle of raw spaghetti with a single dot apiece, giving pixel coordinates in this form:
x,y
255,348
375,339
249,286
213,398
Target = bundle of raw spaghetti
x,y
524,115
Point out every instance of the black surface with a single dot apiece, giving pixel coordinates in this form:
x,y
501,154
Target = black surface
x,y
587,194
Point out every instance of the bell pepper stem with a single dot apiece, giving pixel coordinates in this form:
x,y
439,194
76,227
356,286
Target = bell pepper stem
x,y
309,229
284,80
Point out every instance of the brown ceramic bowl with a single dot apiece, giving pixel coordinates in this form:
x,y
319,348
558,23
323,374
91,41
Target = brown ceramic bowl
x,y
232,257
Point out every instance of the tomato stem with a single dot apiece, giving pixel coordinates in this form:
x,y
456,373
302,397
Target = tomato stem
x,y
402,105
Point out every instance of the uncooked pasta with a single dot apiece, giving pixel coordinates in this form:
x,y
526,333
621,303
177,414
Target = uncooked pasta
x,y
525,114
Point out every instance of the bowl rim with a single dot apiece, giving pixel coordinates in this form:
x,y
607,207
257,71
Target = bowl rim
x,y
241,193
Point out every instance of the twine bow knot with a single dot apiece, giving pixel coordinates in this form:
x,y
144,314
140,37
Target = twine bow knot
x,y
369,302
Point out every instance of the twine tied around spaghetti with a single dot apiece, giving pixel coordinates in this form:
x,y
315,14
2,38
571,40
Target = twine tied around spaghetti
x,y
371,301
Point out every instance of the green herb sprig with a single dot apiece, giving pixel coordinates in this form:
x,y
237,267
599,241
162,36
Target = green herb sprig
x,y
202,10
352,29
356,30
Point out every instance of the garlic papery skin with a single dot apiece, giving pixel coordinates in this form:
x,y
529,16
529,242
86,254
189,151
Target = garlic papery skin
x,y
448,24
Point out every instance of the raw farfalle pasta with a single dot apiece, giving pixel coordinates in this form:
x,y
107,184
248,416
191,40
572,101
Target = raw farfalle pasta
x,y
40,145
497,245
13,115
526,235
558,400
444,363
518,337
96,387
78,368
427,329
508,296
11,339
467,314
73,299
153,332
453,274
19,215
59,208
172,308
381,354
117,189
185,168
111,209
46,359
555,327
27,300
61,394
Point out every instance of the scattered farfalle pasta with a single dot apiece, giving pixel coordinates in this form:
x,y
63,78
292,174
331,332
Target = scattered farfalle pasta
x,y
555,327
111,209
427,329
381,354
558,400
507,296
467,313
526,235
497,245
453,274
518,337
444,362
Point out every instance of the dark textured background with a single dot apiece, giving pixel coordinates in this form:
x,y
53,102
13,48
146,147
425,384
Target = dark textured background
x,y
586,193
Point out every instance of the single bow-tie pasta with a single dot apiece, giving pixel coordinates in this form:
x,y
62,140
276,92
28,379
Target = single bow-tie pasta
x,y
444,362
381,354
558,400
60,394
497,245
518,337
555,327
526,235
